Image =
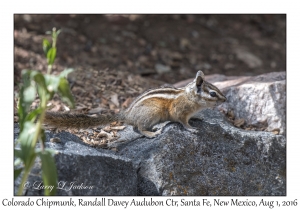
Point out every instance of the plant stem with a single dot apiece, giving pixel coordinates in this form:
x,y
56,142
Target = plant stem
x,y
34,142
24,178
49,69
40,120
54,38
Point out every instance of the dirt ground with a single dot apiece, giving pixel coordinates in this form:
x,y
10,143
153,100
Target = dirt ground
x,y
117,57
163,47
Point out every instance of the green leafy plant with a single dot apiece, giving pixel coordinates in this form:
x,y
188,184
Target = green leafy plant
x,y
31,122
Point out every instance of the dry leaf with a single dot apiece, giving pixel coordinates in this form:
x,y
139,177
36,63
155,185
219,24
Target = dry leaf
x,y
118,128
116,123
84,138
276,131
239,122
107,129
81,105
231,114
127,102
56,108
112,106
104,101
102,134
114,99
90,131
66,108
114,133
103,141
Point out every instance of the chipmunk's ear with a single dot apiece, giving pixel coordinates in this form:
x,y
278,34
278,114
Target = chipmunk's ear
x,y
199,78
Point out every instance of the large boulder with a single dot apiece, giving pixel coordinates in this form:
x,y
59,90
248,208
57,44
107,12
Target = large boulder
x,y
83,170
259,100
219,160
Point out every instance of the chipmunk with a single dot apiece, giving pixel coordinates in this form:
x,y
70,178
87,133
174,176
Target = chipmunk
x,y
150,108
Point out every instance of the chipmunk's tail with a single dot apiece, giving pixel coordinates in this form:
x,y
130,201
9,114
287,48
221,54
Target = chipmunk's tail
x,y
68,120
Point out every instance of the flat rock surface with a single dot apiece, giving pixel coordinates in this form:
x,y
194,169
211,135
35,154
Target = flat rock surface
x,y
217,160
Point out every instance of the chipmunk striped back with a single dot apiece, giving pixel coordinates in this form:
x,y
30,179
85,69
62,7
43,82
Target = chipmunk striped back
x,y
164,93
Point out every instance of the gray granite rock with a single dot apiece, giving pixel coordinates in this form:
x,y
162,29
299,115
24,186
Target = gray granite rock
x,y
91,171
218,160
259,100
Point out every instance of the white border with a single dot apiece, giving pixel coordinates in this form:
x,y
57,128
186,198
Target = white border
x,y
155,6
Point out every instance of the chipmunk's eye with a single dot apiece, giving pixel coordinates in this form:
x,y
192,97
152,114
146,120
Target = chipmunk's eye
x,y
213,94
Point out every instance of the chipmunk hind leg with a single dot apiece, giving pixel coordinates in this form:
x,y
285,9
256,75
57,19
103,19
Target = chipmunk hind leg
x,y
150,134
145,127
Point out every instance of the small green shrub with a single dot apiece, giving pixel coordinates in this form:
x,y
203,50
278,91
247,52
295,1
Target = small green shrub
x,y
31,122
